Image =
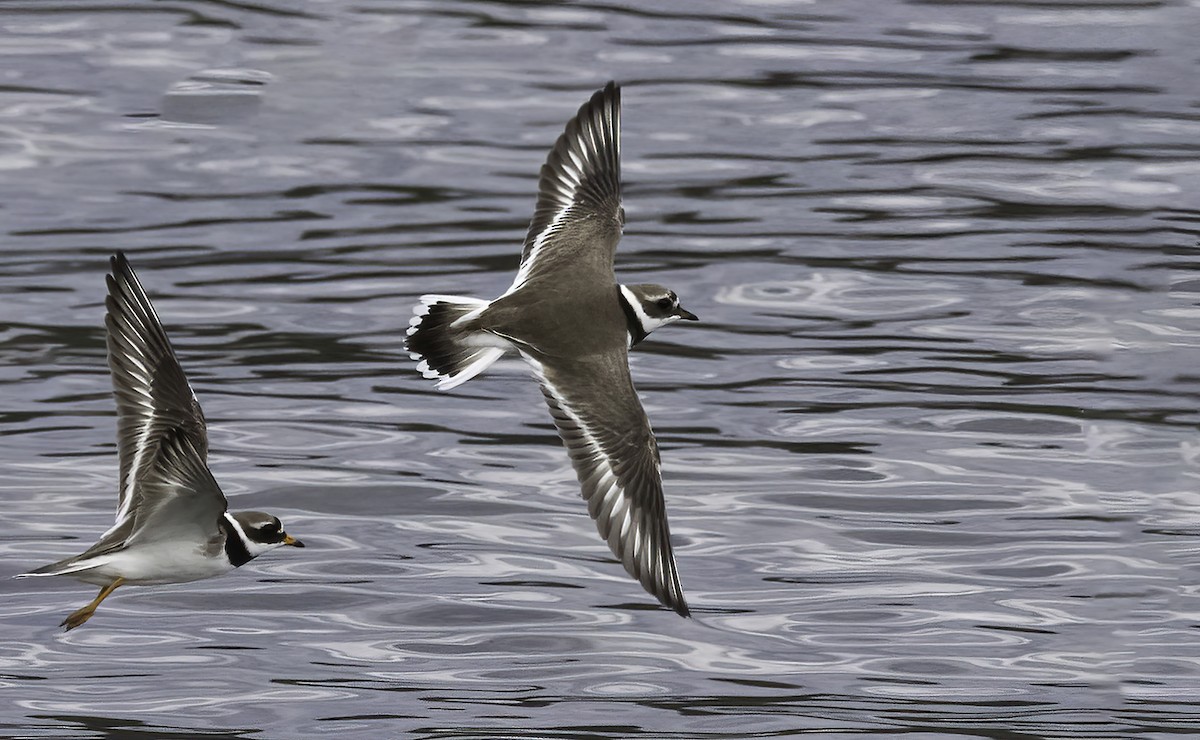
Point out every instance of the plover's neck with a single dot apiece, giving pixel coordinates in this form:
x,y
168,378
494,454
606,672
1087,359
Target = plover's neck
x,y
235,541
635,317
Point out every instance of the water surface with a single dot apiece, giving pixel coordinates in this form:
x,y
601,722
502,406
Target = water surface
x,y
931,455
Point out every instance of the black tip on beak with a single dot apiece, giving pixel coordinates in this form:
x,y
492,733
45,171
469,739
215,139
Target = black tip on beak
x,y
685,314
290,540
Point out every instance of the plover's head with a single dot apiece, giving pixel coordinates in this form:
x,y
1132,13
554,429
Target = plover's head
x,y
648,306
262,532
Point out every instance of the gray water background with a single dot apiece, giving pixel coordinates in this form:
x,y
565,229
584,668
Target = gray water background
x,y
931,456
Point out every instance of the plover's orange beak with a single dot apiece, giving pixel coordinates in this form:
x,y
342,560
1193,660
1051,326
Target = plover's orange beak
x,y
290,540
683,313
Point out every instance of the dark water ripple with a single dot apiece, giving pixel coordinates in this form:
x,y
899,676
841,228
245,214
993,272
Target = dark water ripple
x,y
931,456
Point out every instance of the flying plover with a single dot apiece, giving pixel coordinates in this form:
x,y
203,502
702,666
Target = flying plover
x,y
574,325
172,520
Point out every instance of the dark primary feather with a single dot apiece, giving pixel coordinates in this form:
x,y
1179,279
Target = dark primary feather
x,y
582,175
614,439
154,400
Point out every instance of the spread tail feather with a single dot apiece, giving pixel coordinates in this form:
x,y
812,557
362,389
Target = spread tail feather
x,y
442,349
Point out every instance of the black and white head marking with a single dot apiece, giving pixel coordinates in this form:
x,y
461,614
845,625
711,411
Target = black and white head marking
x,y
249,534
648,307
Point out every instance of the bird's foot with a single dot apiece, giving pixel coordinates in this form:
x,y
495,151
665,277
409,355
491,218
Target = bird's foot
x,y
78,617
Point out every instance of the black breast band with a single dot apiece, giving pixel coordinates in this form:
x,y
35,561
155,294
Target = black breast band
x,y
636,331
235,549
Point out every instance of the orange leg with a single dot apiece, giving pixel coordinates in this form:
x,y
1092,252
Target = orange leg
x,y
80,616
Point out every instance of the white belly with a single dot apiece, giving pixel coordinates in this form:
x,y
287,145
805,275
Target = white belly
x,y
159,563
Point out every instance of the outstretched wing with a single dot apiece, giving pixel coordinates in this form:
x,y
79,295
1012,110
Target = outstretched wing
x,y
154,400
180,500
578,219
615,457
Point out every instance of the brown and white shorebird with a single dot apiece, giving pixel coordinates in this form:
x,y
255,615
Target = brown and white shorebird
x,y
574,325
172,520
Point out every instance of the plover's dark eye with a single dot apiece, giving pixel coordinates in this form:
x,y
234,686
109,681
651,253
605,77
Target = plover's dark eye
x,y
663,303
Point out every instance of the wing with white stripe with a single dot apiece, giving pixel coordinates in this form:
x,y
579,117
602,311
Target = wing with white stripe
x,y
154,399
180,500
579,193
615,457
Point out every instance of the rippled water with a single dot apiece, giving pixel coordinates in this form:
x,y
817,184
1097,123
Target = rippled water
x,y
931,456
